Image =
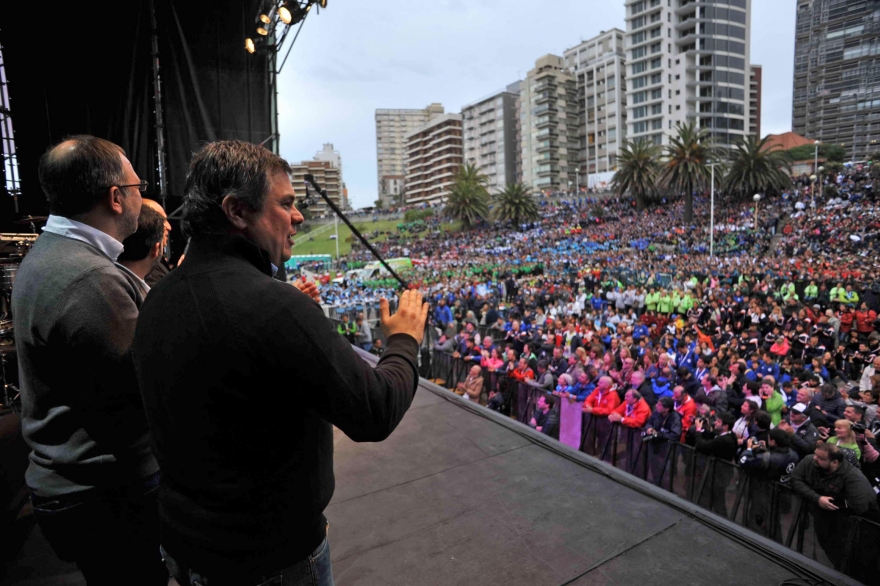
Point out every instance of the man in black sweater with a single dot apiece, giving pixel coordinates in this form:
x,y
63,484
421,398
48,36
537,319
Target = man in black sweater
x,y
221,347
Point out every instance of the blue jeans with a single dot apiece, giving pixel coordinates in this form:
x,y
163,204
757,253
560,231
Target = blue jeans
x,y
107,533
314,570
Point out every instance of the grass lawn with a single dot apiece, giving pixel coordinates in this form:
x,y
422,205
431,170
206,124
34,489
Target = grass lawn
x,y
322,243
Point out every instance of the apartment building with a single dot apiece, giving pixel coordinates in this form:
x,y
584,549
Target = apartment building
x,y
490,138
327,175
755,100
549,126
687,60
433,158
392,127
836,75
599,68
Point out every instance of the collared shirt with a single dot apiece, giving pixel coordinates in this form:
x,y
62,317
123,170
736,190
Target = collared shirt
x,y
84,233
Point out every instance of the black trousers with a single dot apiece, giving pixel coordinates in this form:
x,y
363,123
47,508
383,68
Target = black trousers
x,y
111,535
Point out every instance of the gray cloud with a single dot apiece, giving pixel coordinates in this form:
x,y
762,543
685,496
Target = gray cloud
x,y
358,56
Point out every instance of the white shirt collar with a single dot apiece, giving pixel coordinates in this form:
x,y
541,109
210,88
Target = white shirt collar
x,y
141,282
84,233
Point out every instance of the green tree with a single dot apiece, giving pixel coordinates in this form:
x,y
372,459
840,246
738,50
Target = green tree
x,y
686,169
468,200
875,171
516,205
637,170
756,169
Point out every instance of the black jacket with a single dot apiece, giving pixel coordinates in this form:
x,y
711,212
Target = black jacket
x,y
243,378
548,422
804,440
723,447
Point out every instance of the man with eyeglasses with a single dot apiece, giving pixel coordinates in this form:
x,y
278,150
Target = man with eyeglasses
x,y
92,475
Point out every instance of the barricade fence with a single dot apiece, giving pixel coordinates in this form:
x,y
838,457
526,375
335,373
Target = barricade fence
x,y
770,509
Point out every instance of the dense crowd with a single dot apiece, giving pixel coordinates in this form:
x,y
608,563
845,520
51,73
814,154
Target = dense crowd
x,y
766,353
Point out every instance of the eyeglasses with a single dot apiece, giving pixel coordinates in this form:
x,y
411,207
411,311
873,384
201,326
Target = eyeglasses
x,y
142,186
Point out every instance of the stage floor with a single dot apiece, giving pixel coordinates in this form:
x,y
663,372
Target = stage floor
x,y
461,496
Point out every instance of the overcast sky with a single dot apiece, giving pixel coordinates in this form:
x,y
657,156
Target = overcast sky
x,y
357,56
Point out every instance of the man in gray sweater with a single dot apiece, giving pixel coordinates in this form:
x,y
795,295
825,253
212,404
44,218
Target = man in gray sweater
x,y
92,474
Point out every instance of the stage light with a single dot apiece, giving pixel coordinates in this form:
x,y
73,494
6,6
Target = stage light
x,y
323,3
284,15
249,45
262,31
264,18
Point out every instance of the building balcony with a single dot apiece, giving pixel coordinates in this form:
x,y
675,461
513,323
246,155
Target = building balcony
x,y
688,6
553,145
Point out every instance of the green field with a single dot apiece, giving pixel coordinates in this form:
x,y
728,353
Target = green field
x,y
323,244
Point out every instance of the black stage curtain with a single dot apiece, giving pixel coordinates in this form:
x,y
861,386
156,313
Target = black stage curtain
x,y
212,88
76,68
85,68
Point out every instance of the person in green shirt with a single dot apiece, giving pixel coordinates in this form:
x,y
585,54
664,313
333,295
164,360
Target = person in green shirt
x,y
811,292
687,302
651,300
346,329
664,305
849,296
835,293
676,301
773,401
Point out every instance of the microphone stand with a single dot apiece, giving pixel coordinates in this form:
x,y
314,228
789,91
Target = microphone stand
x,y
310,179
427,339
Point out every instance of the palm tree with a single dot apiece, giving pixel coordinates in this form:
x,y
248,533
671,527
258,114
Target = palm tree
x,y
468,201
515,204
756,169
637,170
687,164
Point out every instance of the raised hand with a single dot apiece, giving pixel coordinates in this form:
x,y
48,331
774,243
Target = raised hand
x,y
412,312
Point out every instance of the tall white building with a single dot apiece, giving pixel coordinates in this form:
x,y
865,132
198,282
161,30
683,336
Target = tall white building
x,y
687,60
392,127
490,140
549,126
599,67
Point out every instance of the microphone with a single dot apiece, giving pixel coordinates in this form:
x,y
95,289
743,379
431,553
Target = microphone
x,y
309,178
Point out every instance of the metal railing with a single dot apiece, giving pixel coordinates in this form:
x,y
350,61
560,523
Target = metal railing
x,y
772,509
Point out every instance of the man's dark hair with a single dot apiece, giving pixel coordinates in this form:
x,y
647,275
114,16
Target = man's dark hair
x,y
542,364
74,179
550,400
763,420
150,231
666,402
834,453
780,437
728,419
226,167
636,395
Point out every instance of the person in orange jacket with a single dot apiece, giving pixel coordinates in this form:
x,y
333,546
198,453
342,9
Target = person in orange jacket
x,y
686,407
604,400
633,412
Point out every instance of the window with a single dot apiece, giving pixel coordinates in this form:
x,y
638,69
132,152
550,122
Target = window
x,y
639,112
639,127
656,124
656,109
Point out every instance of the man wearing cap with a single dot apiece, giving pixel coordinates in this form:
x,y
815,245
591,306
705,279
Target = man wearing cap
x,y
804,435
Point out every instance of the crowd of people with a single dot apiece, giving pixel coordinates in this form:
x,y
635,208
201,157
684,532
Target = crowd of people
x,y
765,353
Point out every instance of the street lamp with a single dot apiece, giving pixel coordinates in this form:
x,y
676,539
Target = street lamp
x,y
712,214
816,156
756,198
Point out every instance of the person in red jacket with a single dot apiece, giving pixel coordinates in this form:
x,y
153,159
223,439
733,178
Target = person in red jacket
x,y
847,319
604,400
633,412
865,319
522,371
686,407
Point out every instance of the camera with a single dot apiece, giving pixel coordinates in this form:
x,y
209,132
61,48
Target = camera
x,y
859,428
705,423
647,437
